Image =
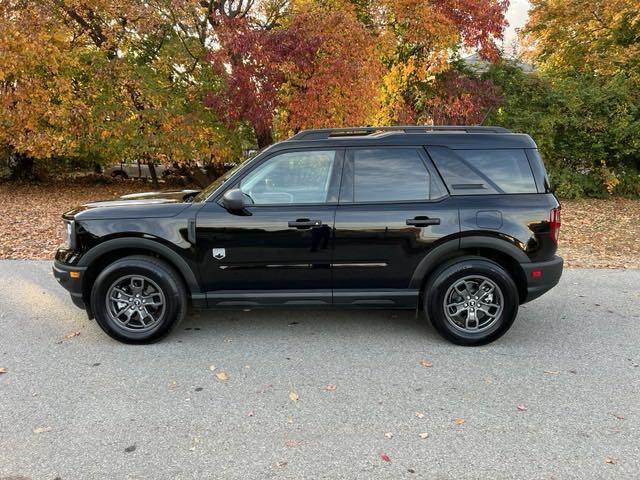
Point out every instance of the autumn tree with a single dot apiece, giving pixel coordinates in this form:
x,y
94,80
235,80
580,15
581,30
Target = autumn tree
x,y
586,96
317,66
420,36
600,37
183,80
109,80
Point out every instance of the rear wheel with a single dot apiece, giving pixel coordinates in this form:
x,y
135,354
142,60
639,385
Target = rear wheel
x,y
138,299
471,301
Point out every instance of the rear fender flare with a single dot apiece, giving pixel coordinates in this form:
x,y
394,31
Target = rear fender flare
x,y
449,249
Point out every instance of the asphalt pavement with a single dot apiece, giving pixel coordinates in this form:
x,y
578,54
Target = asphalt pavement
x,y
321,394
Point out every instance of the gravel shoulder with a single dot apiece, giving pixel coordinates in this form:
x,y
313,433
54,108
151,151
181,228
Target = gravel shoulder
x,y
85,407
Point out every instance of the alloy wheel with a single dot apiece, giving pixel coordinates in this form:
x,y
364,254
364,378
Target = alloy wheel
x,y
135,303
473,304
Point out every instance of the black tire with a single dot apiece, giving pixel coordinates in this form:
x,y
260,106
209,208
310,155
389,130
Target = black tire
x,y
444,280
159,274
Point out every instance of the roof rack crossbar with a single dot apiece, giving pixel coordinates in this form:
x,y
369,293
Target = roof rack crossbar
x,y
323,133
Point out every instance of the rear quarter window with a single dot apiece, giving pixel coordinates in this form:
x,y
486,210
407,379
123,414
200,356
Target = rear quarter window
x,y
477,172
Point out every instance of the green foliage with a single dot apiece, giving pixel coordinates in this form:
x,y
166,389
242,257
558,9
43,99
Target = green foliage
x,y
570,183
587,127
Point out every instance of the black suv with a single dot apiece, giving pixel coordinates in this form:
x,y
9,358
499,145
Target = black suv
x,y
458,222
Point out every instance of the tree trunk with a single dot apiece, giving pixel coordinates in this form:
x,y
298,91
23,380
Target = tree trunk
x,y
264,137
154,175
21,167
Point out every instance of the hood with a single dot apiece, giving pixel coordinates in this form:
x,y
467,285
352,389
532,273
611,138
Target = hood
x,y
142,205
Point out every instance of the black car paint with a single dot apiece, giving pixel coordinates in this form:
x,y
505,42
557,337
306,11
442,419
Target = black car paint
x,y
359,255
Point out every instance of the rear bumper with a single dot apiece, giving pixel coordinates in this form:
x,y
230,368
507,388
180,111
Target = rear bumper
x,y
62,273
541,277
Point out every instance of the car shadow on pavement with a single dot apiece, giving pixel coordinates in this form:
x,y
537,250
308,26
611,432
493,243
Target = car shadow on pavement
x,y
341,324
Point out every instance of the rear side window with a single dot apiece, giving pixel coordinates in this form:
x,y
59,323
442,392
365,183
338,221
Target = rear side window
x,y
389,174
476,172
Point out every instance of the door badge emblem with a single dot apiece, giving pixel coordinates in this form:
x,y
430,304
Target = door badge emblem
x,y
219,253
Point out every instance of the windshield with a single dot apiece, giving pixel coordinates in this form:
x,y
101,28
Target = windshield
x,y
202,196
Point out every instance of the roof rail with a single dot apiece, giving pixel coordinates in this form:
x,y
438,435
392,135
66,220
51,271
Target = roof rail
x,y
323,133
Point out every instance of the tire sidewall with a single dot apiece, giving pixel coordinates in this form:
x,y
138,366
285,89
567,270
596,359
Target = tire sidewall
x,y
447,276
174,309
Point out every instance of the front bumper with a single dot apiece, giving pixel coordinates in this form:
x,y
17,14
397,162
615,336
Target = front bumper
x,y
73,284
542,276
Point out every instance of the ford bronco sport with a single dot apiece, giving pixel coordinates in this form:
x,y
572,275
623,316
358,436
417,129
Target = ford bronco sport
x,y
457,222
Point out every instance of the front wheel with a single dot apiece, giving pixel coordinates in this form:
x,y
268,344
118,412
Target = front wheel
x,y
471,301
138,299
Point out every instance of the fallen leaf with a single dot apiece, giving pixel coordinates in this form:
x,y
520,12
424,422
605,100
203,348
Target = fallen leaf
x,y
282,464
619,417
522,408
41,429
488,380
293,396
293,443
552,372
459,421
71,335
251,414
385,457
388,435
610,459
330,388
426,363
130,448
222,376
3,370
419,414
212,367
574,371
423,435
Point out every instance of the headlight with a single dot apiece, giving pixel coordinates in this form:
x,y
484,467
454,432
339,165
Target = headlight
x,y
68,234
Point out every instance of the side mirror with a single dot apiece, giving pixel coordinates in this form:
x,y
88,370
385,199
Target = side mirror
x,y
234,200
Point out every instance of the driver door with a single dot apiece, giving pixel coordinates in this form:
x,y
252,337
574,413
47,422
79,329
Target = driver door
x,y
278,250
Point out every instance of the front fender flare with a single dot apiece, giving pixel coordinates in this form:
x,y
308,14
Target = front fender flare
x,y
142,243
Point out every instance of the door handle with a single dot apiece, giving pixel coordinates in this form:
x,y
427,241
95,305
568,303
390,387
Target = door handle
x,y
422,221
305,223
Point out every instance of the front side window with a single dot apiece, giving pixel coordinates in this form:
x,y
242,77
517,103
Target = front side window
x,y
291,178
389,174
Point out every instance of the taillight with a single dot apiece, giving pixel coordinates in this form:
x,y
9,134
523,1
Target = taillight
x,y
554,224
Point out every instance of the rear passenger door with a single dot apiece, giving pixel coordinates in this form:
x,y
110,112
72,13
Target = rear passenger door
x,y
393,209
